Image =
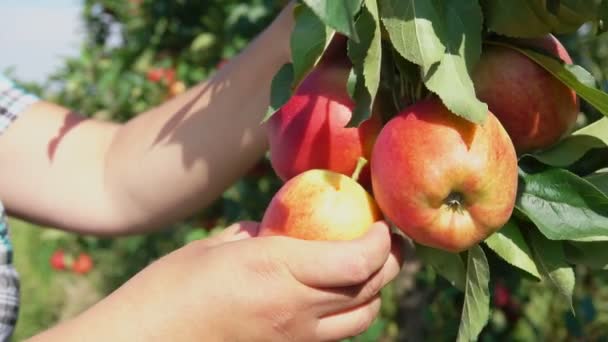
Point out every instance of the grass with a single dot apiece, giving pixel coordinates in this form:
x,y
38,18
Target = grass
x,y
47,296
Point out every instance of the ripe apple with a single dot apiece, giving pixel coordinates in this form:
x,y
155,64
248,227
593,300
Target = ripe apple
x,y
442,180
320,205
176,88
83,264
309,132
534,107
155,75
58,260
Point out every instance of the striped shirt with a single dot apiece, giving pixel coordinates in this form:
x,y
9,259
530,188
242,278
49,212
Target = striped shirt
x,y
13,101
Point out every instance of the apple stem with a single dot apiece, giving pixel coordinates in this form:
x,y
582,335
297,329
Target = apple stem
x,y
361,162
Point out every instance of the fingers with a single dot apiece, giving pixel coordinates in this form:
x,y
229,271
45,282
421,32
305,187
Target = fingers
x,y
336,299
348,323
337,263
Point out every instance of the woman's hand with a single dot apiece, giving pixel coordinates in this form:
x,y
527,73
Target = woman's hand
x,y
233,287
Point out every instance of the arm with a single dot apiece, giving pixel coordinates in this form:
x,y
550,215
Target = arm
x,y
89,176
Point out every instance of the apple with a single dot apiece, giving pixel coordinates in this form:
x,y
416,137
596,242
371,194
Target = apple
x,y
58,260
83,264
155,75
176,88
320,205
535,108
309,131
444,181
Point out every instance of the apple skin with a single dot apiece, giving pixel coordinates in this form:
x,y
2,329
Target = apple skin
x,y
535,108
443,181
320,205
309,132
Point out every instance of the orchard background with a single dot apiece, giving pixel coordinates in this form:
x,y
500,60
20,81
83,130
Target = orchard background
x,y
168,45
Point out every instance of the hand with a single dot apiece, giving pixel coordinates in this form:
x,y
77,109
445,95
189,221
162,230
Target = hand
x,y
233,287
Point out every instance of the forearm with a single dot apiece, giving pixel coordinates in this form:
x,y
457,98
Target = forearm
x,y
157,304
180,156
159,167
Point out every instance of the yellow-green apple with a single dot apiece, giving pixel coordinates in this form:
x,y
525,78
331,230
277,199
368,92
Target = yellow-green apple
x,y
444,181
535,108
320,205
309,131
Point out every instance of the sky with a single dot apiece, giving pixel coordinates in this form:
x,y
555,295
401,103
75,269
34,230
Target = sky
x,y
35,35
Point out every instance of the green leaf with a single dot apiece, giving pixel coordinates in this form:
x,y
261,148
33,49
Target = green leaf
x,y
448,265
591,254
410,26
451,79
309,39
338,15
600,180
551,261
203,42
510,245
563,206
476,309
582,75
535,18
280,90
366,56
593,96
574,146
506,17
573,13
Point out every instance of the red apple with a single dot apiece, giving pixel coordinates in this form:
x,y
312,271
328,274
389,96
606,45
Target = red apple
x,y
535,108
58,260
155,75
320,205
309,132
444,181
83,264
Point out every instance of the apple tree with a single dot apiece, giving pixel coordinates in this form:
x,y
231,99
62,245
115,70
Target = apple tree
x,y
479,59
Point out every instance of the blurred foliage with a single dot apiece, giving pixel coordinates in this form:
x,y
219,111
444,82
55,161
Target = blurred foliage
x,y
113,78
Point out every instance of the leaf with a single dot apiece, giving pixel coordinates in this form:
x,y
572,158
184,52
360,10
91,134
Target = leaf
x,y
410,26
563,206
582,75
203,42
366,56
510,245
591,254
551,261
451,79
280,90
574,146
506,17
338,15
448,265
593,96
476,309
600,180
535,18
573,13
309,39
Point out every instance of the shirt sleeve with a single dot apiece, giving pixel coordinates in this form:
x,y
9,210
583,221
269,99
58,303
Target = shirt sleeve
x,y
13,101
